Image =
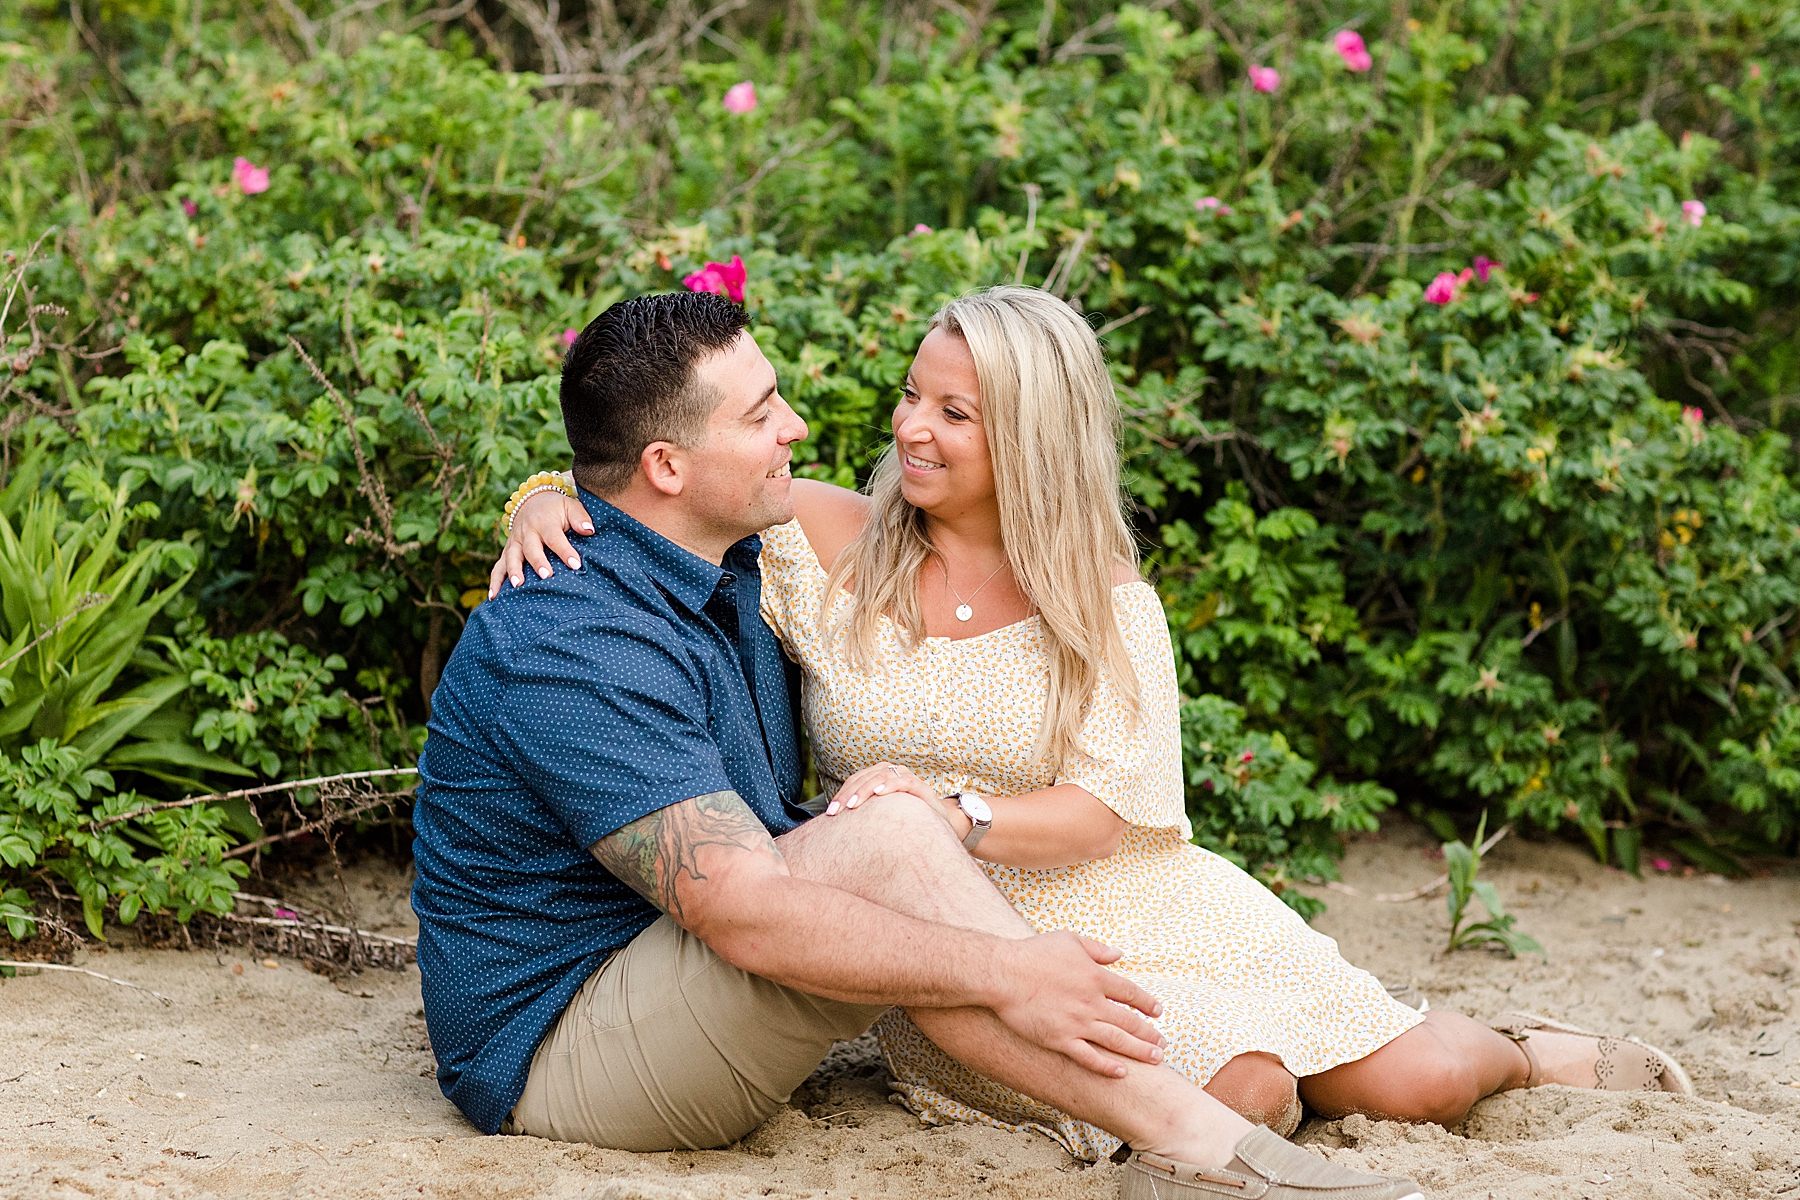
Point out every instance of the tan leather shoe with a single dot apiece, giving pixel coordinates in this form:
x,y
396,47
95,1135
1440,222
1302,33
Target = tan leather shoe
x,y
1623,1065
1265,1167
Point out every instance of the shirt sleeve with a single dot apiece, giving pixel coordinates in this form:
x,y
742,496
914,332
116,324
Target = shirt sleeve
x,y
602,750
790,584
1131,762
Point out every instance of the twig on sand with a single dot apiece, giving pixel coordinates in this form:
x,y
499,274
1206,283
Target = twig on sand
x,y
45,966
1418,893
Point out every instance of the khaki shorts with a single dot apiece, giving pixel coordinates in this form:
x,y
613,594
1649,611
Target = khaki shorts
x,y
668,1046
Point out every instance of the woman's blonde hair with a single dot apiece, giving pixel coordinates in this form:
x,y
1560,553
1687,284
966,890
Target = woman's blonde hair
x,y
1051,417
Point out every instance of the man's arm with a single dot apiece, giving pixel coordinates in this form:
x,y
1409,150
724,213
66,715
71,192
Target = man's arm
x,y
659,855
711,866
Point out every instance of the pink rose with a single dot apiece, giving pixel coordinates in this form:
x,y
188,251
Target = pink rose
x,y
1441,290
721,279
921,229
1265,79
1248,756
1693,416
740,98
1485,266
189,207
1661,864
249,177
1213,204
569,336
1693,212
1350,48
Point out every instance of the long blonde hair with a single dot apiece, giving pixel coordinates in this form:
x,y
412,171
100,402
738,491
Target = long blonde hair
x,y
1051,418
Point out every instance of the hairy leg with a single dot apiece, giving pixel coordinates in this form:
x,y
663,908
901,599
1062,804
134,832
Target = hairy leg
x,y
898,852
1433,1072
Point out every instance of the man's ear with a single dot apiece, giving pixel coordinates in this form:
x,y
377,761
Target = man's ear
x,y
662,465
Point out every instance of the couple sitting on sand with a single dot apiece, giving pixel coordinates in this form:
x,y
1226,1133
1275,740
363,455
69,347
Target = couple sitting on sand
x,y
634,933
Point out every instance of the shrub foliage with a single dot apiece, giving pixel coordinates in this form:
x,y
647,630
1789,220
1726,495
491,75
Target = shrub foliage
x,y
1457,376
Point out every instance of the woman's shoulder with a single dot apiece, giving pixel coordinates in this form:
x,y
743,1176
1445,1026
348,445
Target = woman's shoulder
x,y
830,516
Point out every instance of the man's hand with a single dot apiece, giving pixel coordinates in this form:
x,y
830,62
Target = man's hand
x,y
1057,993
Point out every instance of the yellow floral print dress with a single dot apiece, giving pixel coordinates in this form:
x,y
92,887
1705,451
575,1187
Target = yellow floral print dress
x,y
1235,968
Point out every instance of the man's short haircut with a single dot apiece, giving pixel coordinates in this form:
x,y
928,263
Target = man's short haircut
x,y
629,380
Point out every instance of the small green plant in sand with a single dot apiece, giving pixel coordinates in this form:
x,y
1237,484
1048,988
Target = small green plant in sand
x,y
1462,863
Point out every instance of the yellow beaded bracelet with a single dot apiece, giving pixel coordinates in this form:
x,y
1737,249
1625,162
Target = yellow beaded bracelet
x,y
543,481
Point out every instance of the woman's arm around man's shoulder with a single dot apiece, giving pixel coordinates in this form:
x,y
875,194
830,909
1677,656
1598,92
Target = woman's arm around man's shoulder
x,y
830,516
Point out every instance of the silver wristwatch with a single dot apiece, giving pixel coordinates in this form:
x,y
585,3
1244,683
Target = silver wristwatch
x,y
981,817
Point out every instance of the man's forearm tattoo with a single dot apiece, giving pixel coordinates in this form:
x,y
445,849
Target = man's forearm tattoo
x,y
658,855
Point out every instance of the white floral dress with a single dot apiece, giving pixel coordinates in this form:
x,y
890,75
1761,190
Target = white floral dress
x,y
1235,968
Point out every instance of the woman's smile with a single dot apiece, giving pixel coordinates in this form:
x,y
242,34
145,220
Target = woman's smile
x,y
919,466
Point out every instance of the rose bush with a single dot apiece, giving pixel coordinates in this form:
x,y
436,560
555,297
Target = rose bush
x,y
1457,363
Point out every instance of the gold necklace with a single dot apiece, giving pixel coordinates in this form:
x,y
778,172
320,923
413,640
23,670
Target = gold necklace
x,y
963,611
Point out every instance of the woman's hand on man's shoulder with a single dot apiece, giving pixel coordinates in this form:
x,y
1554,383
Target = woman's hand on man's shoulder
x,y
830,516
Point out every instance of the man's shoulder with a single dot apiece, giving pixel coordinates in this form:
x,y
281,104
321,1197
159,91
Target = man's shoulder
x,y
597,598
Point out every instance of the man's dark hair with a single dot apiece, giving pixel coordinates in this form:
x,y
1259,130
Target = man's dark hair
x,y
629,380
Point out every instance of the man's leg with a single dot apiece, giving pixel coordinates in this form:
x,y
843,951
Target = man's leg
x,y
898,852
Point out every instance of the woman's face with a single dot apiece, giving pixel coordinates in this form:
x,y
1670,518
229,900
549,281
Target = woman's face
x,y
945,466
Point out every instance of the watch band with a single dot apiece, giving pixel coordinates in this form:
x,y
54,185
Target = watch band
x,y
981,817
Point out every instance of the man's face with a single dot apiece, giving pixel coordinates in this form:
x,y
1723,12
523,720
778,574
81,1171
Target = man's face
x,y
739,476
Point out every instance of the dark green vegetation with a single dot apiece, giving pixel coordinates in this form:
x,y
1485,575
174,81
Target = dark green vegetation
x,y
1523,539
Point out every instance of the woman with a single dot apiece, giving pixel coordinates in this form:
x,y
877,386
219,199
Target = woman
x,y
974,630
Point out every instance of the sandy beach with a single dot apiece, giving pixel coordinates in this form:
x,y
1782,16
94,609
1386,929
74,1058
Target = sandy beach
x,y
265,1082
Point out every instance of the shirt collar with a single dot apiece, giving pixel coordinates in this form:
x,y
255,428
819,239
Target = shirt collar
x,y
687,577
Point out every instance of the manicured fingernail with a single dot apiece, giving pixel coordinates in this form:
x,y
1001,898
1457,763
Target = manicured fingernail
x,y
574,563
587,529
854,801
880,788
831,810
517,580
543,572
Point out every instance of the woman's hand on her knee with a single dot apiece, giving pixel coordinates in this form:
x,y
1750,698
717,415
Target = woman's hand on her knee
x,y
882,779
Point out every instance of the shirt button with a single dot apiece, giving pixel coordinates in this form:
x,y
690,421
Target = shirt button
x,y
727,579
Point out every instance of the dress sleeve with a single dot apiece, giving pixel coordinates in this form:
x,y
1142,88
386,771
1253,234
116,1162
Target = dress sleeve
x,y
1132,763
790,592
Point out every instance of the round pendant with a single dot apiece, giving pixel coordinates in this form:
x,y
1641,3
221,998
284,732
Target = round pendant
x,y
964,612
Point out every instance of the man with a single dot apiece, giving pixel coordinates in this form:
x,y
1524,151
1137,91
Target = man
x,y
630,933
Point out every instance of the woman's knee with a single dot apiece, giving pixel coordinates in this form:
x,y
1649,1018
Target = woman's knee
x,y
1258,1088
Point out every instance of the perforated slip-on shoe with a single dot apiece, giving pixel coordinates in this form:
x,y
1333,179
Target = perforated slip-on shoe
x,y
1265,1167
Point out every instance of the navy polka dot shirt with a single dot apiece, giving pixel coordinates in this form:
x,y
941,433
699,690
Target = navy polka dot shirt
x,y
573,706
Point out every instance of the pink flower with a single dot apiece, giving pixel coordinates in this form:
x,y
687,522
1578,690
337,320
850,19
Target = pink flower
x,y
1661,864
249,177
287,914
1485,266
1350,48
189,207
1441,290
1693,212
1248,756
1463,276
1693,416
1756,70
740,98
721,279
921,229
1213,204
569,336
1265,79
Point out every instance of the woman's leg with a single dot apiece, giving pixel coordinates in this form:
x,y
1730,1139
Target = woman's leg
x,y
1258,1088
1438,1070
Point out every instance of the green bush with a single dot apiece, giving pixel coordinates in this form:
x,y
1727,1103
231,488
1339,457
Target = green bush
x,y
1458,389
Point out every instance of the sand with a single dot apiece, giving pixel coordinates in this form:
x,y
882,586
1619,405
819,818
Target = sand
x,y
275,1082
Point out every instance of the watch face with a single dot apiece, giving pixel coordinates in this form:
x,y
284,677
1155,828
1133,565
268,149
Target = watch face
x,y
976,807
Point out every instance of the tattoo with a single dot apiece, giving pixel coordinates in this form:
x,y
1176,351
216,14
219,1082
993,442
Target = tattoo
x,y
658,856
